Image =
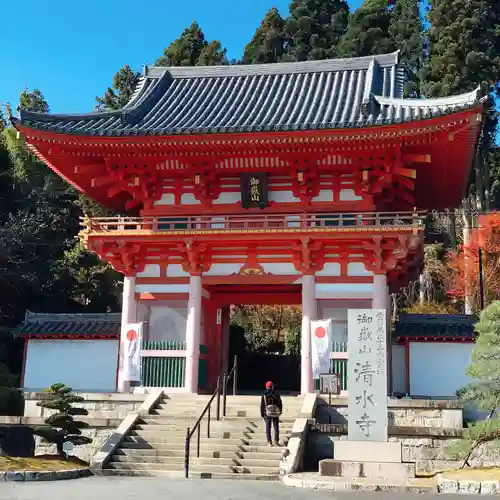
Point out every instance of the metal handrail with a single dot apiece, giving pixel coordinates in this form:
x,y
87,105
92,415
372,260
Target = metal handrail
x,y
248,222
197,428
225,380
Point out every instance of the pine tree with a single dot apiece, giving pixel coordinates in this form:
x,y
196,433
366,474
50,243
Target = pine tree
x,y
61,427
269,43
368,31
315,28
406,31
124,84
192,49
484,390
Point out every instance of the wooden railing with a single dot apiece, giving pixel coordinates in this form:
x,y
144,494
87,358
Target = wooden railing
x,y
251,222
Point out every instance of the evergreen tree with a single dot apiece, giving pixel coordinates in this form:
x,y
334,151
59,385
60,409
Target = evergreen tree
x,y
61,427
33,101
368,31
124,84
405,29
269,43
212,54
464,53
484,390
315,28
464,47
192,49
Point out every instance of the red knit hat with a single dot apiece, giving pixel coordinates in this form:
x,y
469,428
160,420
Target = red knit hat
x,y
269,385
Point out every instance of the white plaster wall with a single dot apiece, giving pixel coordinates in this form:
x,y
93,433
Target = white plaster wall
x,y
437,369
330,269
167,321
324,195
168,288
176,271
330,309
282,197
344,290
337,310
283,268
189,199
227,198
84,365
349,195
357,269
224,269
166,199
398,369
150,271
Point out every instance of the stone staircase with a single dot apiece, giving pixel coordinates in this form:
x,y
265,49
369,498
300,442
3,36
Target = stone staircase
x,y
237,447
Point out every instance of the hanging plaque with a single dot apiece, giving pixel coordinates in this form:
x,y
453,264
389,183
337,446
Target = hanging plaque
x,y
254,190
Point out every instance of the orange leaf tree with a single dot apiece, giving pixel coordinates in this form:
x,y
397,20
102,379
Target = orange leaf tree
x,y
462,277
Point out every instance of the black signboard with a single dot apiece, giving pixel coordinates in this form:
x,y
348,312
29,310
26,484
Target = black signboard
x,y
254,190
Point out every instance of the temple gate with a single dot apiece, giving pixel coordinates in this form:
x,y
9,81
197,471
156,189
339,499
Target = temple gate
x,y
296,183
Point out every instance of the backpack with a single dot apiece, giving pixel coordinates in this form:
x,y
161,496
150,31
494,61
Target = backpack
x,y
272,409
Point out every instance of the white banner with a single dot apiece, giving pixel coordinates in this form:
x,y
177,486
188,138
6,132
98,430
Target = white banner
x,y
131,344
321,346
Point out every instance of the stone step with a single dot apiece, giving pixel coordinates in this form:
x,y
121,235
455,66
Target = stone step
x,y
214,429
167,461
192,474
203,398
266,454
234,421
153,439
237,469
230,412
206,447
166,435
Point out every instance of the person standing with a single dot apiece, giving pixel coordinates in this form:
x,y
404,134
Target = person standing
x,y
271,408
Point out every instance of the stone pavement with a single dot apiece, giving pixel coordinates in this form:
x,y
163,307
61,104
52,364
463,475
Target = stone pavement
x,y
117,488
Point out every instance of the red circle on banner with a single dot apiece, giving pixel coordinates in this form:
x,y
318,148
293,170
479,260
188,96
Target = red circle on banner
x,y
131,335
320,332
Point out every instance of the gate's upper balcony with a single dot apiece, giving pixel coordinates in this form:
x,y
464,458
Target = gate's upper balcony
x,y
382,222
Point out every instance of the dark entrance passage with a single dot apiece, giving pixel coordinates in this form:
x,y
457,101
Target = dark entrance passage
x,y
278,362
255,369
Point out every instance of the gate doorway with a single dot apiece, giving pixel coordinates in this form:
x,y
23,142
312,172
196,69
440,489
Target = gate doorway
x,y
261,325
266,339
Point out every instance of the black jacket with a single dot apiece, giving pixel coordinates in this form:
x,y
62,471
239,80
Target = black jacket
x,y
270,397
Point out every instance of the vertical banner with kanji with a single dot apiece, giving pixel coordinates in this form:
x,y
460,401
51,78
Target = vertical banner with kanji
x,y
131,345
367,373
321,347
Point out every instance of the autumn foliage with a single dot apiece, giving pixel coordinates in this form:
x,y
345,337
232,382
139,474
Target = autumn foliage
x,y
462,275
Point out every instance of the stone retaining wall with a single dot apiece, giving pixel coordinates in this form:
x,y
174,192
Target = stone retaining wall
x,y
444,414
424,446
99,405
99,430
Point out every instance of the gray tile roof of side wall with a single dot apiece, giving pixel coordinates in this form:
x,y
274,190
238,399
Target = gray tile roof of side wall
x,y
86,324
330,94
443,326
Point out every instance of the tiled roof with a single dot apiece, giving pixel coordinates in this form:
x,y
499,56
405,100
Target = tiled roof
x,y
40,324
329,94
439,326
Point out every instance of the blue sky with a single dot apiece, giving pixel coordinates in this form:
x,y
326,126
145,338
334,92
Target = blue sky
x,y
70,50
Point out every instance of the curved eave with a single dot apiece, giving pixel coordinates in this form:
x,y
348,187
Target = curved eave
x,y
374,131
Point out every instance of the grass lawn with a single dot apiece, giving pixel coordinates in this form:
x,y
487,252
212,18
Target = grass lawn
x,y
42,463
